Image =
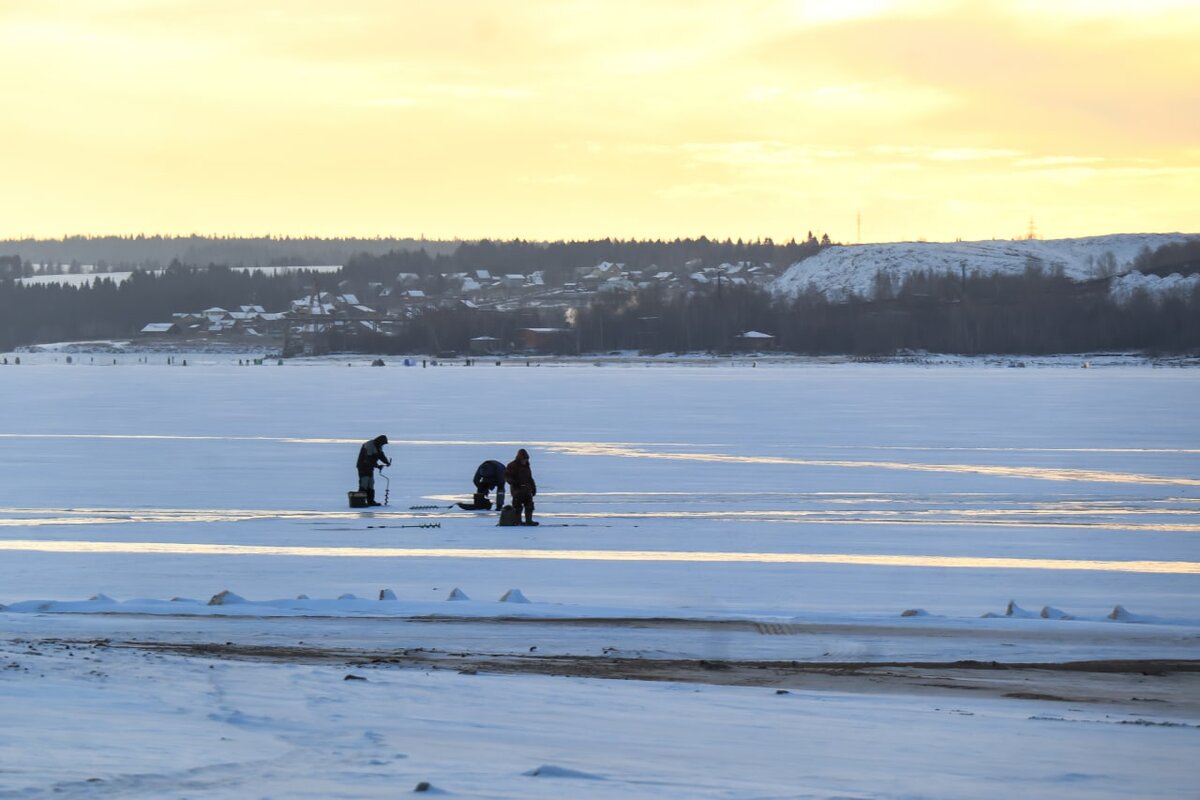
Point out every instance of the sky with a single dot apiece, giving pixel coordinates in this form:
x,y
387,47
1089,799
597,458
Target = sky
x,y
868,120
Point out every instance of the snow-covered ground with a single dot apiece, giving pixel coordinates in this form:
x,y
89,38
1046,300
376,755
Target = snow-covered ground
x,y
1124,288
839,272
119,277
738,545
76,279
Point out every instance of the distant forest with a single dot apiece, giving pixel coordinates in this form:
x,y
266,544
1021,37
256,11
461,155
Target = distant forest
x,y
560,260
123,253
1039,312
378,256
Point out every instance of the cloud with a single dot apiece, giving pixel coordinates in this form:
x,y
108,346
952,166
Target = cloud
x,y
1058,161
1010,76
971,154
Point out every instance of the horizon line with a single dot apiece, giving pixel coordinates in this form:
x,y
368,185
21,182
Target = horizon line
x,y
466,240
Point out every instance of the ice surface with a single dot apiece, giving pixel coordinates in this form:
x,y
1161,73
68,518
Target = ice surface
x,y
711,515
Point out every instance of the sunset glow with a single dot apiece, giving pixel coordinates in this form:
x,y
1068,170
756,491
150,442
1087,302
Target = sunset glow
x,y
547,120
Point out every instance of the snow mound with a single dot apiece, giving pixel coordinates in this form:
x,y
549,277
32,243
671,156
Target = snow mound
x,y
387,594
1014,610
513,596
840,272
1123,288
551,771
226,598
427,788
1050,612
1120,614
101,598
1011,610
914,612
457,594
347,596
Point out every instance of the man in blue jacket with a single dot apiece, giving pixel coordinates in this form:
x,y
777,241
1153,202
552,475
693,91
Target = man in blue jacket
x,y
488,476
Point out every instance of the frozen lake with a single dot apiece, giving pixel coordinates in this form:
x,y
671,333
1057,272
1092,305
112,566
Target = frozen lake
x,y
813,501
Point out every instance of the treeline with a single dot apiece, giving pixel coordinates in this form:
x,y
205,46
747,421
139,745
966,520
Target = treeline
x,y
1034,313
102,309
559,261
1038,312
1180,257
114,253
381,258
1031,314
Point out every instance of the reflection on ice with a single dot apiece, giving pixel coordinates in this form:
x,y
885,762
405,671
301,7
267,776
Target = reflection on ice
x,y
859,559
41,517
646,451
1038,473
850,508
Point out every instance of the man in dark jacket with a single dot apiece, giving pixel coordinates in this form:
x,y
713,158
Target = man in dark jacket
x,y
520,478
370,455
489,475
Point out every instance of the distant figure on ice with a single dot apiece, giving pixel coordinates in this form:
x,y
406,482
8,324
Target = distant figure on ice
x,y
370,455
489,476
519,476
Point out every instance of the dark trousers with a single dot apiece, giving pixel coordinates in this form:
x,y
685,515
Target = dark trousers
x,y
483,487
523,501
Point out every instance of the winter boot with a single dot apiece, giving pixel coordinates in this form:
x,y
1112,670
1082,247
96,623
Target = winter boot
x,y
529,518
371,498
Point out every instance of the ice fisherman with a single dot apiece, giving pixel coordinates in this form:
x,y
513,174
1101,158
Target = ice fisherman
x,y
371,455
488,476
519,476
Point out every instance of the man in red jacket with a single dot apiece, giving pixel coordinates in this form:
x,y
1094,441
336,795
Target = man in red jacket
x,y
519,477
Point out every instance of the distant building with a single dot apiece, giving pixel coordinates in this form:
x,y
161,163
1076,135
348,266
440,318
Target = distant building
x,y
157,329
754,340
546,340
486,346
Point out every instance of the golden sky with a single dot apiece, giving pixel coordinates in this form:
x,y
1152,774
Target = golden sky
x,y
559,119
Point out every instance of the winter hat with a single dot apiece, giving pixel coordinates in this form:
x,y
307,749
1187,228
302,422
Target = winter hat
x,y
522,455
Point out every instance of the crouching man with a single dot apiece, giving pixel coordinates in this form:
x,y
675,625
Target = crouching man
x,y
488,476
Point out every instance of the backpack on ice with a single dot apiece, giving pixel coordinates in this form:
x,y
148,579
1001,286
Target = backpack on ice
x,y
509,516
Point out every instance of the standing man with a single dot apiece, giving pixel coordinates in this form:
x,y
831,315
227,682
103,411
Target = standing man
x,y
489,475
520,477
371,455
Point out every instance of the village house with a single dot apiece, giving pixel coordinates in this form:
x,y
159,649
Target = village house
x,y
486,346
546,340
753,341
160,330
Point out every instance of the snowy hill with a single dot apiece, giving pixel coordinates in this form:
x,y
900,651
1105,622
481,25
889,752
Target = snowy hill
x,y
838,272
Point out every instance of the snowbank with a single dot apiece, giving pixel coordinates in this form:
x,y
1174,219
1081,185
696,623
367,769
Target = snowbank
x,y
839,272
